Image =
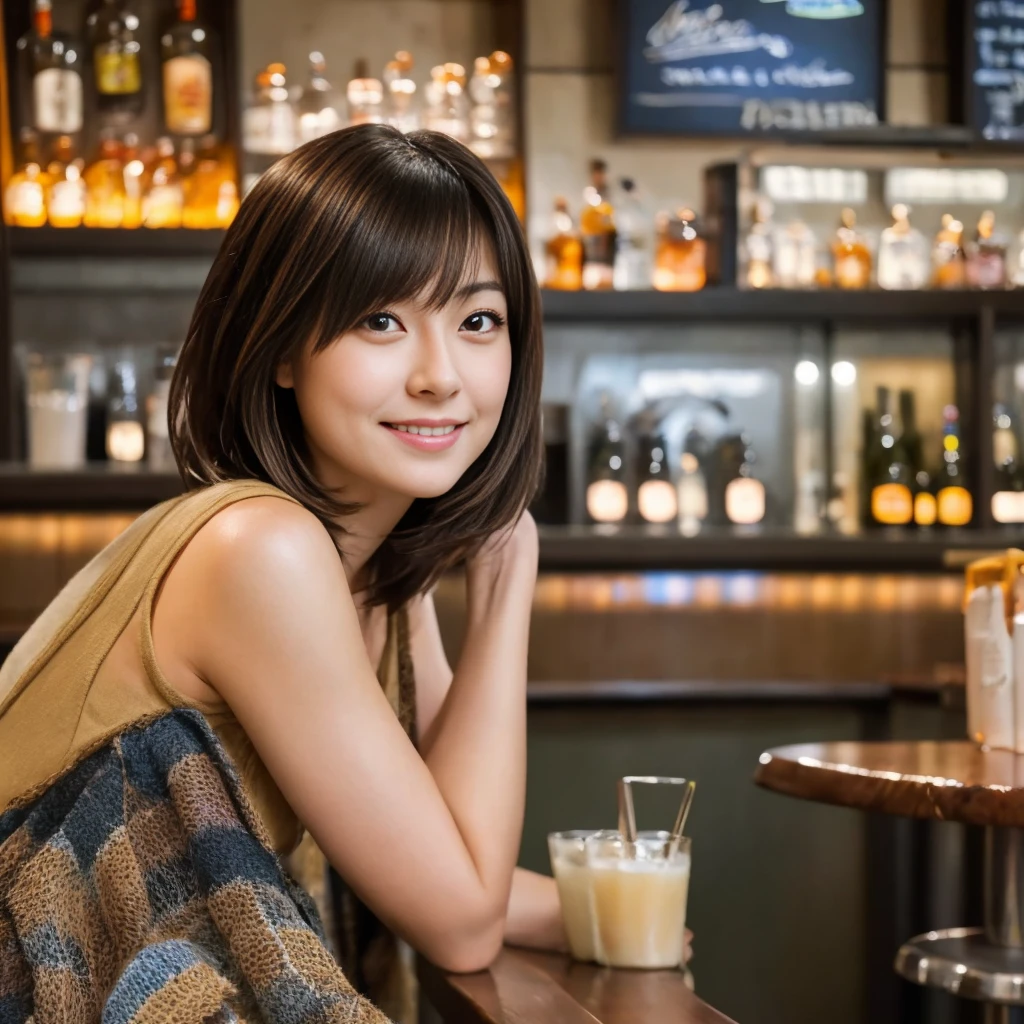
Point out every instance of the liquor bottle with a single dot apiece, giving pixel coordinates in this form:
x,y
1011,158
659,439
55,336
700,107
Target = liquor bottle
x,y
277,126
679,263
134,169
656,500
159,454
925,506
317,104
186,56
400,100
563,252
692,486
986,255
25,195
65,198
955,505
633,267
447,105
492,118
902,254
116,61
913,448
1017,278
203,189
743,496
851,256
796,254
887,474
163,196
758,249
105,195
597,230
1008,496
607,499
50,70
948,267
126,438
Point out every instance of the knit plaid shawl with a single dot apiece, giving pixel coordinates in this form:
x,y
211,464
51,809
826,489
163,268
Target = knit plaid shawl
x,y
140,887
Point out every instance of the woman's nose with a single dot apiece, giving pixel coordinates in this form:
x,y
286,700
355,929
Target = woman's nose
x,y
434,374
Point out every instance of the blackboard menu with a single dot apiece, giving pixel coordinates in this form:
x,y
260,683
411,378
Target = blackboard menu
x,y
995,66
751,67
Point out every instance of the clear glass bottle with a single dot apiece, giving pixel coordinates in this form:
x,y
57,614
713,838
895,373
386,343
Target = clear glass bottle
x,y
745,496
903,263
563,251
50,69
159,454
1008,496
597,231
691,484
634,233
758,249
796,257
400,98
365,96
25,195
446,103
105,195
186,57
656,498
607,500
65,198
126,439
948,265
986,255
492,117
680,259
163,197
317,105
116,60
851,256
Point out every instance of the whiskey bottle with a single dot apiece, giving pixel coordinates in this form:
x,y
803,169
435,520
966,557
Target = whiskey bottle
x,y
186,53
116,61
447,105
902,254
563,252
607,500
105,195
948,266
986,255
758,272
680,261
317,104
492,117
851,256
65,198
887,473
134,169
400,99
597,230
163,197
25,195
953,497
50,70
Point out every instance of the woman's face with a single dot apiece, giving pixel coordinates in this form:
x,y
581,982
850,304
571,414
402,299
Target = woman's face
x,y
406,401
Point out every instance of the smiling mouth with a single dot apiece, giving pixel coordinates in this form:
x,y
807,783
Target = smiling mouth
x,y
424,431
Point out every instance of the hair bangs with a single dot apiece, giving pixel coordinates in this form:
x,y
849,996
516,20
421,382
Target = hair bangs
x,y
420,236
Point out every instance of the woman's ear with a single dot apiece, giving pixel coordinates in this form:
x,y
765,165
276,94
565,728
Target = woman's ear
x,y
285,376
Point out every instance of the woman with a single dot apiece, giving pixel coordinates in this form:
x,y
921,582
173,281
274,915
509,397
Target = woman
x,y
356,408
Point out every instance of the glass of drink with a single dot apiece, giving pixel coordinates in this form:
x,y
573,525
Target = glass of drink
x,y
569,864
638,897
57,396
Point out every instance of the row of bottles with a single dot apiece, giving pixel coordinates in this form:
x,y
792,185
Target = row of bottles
x,y
124,185
618,245
57,69
477,109
791,257
629,476
903,485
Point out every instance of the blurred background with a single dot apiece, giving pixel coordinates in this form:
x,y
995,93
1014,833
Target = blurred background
x,y
782,395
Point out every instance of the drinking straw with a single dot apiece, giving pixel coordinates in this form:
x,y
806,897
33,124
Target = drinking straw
x,y
627,812
684,812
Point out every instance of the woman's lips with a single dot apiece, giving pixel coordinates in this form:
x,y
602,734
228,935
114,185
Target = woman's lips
x,y
426,442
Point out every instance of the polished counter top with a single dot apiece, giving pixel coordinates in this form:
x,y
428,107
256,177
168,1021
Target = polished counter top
x,y
523,987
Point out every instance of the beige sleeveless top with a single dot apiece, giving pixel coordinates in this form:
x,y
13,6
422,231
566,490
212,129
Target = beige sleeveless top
x,y
53,710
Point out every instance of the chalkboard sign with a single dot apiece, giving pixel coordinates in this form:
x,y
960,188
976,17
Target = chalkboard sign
x,y
995,69
751,67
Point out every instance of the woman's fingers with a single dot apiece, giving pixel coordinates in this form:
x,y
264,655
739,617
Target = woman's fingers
x,y
688,946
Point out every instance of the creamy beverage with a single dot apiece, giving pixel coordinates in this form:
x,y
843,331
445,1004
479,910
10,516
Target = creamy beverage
x,y
569,865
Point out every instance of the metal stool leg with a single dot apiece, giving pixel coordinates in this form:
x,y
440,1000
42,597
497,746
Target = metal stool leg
x,y
1004,887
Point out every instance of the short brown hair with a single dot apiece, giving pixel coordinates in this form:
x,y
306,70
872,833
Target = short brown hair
x,y
342,226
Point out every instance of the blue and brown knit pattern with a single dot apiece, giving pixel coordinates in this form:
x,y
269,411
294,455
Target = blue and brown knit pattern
x,y
141,888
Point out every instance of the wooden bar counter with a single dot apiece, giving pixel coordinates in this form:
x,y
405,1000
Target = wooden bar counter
x,y
523,987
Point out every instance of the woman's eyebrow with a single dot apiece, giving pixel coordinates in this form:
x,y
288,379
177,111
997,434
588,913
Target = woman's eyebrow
x,y
478,286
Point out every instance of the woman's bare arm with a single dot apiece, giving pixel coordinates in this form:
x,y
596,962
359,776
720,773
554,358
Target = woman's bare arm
x,y
428,842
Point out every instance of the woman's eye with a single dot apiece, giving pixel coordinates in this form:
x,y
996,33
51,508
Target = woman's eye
x,y
481,323
381,323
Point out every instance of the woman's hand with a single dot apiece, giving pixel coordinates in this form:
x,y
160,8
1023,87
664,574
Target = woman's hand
x,y
688,947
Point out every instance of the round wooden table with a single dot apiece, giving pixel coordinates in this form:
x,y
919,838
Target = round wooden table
x,y
947,781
